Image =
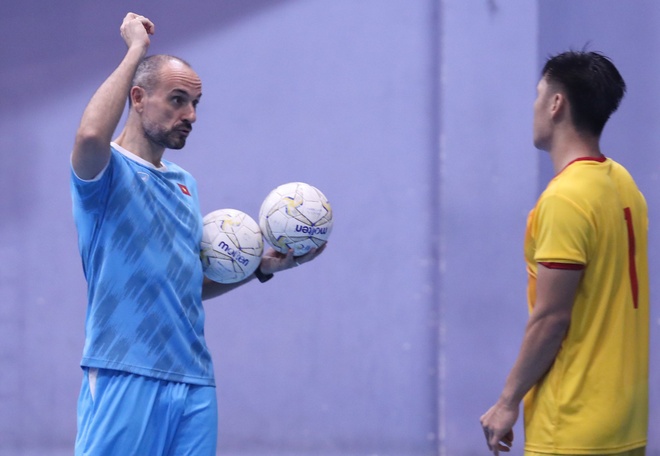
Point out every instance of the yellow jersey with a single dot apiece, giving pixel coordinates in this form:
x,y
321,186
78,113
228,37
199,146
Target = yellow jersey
x,y
594,398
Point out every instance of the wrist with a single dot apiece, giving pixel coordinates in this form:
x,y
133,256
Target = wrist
x,y
262,277
137,50
509,399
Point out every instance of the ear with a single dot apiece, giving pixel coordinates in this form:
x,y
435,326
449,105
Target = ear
x,y
558,104
137,95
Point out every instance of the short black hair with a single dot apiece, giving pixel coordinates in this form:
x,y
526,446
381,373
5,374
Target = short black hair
x,y
594,87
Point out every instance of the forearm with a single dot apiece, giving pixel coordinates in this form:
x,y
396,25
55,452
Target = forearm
x,y
211,289
545,331
272,262
541,343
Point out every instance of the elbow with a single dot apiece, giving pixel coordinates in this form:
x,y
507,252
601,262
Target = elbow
x,y
561,324
558,325
554,326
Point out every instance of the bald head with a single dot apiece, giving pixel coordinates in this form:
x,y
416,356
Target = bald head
x,y
148,73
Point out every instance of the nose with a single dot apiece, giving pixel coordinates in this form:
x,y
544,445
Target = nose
x,y
190,113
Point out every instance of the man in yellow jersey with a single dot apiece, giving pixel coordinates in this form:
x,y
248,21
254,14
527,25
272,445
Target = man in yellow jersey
x,y
583,365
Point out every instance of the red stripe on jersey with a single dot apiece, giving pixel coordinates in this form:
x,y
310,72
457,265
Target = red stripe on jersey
x,y
568,266
600,159
184,189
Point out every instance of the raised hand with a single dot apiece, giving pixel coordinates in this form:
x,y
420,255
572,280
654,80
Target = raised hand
x,y
135,30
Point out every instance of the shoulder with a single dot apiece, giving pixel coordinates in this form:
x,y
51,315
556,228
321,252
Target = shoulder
x,y
621,174
174,168
586,180
176,172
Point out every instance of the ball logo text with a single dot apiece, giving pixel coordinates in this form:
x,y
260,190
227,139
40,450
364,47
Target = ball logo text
x,y
235,254
311,230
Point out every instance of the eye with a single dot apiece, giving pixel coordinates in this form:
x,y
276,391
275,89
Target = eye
x,y
177,100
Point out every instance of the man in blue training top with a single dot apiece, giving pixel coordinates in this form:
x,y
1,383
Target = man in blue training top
x,y
148,385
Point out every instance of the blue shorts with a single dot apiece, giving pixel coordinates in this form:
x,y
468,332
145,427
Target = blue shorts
x,y
125,414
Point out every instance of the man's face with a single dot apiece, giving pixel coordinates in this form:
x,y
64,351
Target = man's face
x,y
542,129
170,108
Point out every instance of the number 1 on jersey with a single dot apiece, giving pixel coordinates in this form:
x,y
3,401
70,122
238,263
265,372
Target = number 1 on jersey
x,y
632,268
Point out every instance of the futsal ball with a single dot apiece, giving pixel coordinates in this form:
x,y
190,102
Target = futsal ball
x,y
295,216
231,246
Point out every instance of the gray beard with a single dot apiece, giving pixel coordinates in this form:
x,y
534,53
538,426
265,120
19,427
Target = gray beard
x,y
168,139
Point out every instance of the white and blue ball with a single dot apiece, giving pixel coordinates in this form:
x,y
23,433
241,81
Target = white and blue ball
x,y
232,246
296,216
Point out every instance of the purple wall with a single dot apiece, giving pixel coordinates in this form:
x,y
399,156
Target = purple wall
x,y
413,117
488,184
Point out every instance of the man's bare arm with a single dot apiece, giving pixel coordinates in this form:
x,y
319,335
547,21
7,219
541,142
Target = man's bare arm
x,y
271,263
91,150
544,334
